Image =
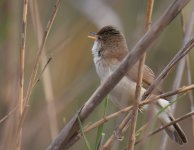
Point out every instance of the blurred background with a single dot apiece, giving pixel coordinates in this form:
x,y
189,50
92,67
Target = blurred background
x,y
70,77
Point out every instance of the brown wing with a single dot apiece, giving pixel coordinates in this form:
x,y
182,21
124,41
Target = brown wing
x,y
148,75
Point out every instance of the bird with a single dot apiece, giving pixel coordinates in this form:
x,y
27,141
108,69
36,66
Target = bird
x,y
109,49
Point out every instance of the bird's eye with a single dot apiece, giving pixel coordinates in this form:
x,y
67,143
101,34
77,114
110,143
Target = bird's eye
x,y
100,53
99,38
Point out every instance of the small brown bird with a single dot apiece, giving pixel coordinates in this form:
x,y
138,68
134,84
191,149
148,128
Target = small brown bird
x,y
109,50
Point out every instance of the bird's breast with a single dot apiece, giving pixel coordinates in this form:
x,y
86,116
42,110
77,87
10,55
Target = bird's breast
x,y
124,92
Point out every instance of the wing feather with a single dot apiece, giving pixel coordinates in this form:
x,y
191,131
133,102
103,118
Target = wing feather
x,y
148,74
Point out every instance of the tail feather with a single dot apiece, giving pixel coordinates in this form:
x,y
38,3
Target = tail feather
x,y
174,131
181,138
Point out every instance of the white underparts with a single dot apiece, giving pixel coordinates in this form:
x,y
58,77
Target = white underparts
x,y
95,50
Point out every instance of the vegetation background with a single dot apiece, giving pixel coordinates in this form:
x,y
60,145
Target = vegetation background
x,y
70,78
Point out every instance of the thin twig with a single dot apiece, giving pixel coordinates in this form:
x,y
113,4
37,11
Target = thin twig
x,y
117,134
9,114
36,66
132,137
100,122
188,69
150,5
191,99
71,129
182,52
127,109
21,70
42,71
38,56
107,118
47,83
187,31
145,102
168,94
167,125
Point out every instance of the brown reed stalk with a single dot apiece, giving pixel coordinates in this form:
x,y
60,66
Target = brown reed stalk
x,y
21,70
118,133
187,32
167,125
145,102
13,110
181,53
132,137
168,94
72,127
33,76
107,118
191,98
148,101
37,62
47,84
119,130
39,53
188,67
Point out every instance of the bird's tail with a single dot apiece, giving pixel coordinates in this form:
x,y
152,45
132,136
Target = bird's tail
x,y
174,131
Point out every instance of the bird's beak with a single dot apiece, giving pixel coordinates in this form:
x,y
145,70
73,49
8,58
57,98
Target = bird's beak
x,y
92,35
